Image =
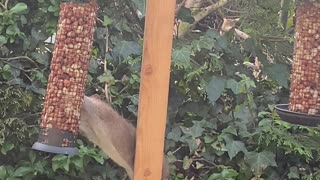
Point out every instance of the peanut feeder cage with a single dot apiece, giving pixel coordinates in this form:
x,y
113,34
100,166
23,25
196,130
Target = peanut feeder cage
x,y
65,91
304,100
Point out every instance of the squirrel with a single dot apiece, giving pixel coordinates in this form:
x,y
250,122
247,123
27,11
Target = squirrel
x,y
104,127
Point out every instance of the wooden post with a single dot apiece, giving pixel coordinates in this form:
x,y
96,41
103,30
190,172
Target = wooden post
x,y
154,88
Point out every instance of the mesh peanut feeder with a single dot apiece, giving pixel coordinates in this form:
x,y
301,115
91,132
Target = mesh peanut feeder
x,y
304,101
65,91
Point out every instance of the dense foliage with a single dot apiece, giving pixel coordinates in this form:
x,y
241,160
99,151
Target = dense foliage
x,y
221,122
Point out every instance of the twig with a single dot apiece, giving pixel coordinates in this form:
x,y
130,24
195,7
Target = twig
x,y
234,11
202,159
5,5
105,65
208,10
2,5
21,57
176,150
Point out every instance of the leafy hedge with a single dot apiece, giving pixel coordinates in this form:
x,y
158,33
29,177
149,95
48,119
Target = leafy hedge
x,y
221,123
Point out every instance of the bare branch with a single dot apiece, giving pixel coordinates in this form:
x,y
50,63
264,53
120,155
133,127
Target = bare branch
x,y
203,13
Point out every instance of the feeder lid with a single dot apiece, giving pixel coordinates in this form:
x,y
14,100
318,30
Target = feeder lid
x,y
297,118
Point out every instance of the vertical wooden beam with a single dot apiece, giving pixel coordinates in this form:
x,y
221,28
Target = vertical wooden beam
x,y
154,89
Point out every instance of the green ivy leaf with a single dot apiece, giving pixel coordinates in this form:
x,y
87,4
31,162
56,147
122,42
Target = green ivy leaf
x,y
195,131
32,156
203,43
234,147
42,58
181,57
98,158
59,157
234,86
78,162
53,8
12,30
185,15
3,172
260,161
226,174
279,73
22,171
19,8
106,20
174,134
293,173
187,162
40,166
107,77
60,161
3,40
6,147
243,113
127,48
215,88
38,34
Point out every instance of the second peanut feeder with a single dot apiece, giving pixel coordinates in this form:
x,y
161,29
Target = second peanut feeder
x,y
304,100
305,85
69,67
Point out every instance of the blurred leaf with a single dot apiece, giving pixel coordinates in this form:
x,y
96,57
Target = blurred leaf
x,y
279,73
195,131
78,162
185,15
141,5
59,157
3,172
19,8
106,20
3,40
233,85
226,174
126,49
174,134
215,88
203,43
6,147
235,147
22,171
186,162
107,77
38,34
260,161
181,57
293,173
42,58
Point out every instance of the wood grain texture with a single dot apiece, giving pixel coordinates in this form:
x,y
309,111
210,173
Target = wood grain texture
x,y
154,89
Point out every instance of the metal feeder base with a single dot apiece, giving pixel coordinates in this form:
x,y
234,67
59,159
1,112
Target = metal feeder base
x,y
297,117
54,149
57,141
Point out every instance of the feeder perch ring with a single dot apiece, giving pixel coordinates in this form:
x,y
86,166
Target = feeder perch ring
x,y
297,118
